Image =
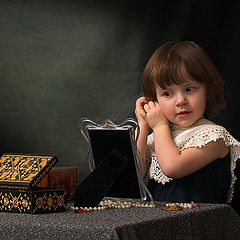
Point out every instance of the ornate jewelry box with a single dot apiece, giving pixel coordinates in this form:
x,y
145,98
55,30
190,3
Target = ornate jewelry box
x,y
19,177
62,177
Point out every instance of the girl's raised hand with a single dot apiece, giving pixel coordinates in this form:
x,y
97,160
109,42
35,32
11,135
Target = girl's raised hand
x,y
154,115
140,112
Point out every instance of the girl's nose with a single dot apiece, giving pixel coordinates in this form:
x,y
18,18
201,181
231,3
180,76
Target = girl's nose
x,y
181,100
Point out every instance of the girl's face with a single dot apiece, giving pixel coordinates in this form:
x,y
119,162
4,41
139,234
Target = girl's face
x,y
183,104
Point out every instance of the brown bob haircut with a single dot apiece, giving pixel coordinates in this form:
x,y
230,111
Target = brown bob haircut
x,y
178,62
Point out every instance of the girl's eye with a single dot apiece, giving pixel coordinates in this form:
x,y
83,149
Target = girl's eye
x,y
189,89
167,94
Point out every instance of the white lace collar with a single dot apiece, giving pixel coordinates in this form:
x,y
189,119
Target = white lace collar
x,y
197,135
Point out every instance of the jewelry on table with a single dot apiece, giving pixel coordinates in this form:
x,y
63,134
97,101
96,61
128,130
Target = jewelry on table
x,y
124,204
112,203
179,206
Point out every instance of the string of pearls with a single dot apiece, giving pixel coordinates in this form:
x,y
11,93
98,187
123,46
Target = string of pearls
x,y
110,203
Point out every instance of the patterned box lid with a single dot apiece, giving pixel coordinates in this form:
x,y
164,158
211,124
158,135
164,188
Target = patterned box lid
x,y
19,171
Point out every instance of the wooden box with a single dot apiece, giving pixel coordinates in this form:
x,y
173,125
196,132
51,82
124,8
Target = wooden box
x,y
62,177
19,178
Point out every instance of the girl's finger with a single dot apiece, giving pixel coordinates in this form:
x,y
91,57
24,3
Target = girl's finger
x,y
141,101
146,107
156,104
143,113
151,104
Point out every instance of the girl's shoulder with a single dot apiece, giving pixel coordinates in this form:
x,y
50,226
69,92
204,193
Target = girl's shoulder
x,y
202,128
200,134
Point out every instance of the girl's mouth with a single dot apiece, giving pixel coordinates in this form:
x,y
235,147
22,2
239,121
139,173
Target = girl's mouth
x,y
183,114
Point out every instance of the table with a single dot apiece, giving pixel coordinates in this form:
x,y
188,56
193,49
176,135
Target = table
x,y
208,221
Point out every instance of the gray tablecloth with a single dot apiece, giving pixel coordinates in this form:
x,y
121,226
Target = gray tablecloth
x,y
208,221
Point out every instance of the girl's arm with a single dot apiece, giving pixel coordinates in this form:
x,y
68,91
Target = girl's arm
x,y
142,139
175,163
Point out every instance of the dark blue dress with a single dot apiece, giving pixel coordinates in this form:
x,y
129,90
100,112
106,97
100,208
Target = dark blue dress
x,y
208,185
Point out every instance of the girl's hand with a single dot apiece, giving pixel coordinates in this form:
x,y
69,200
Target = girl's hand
x,y
140,112
154,115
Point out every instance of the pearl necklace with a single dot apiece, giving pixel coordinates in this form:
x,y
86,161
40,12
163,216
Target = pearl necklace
x,y
110,204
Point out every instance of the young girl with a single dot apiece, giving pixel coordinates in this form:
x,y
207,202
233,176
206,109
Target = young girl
x,y
189,157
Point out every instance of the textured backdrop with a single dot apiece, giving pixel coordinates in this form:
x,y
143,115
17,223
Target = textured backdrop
x,y
64,60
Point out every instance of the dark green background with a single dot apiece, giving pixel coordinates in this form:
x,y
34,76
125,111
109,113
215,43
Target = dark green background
x,y
64,60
